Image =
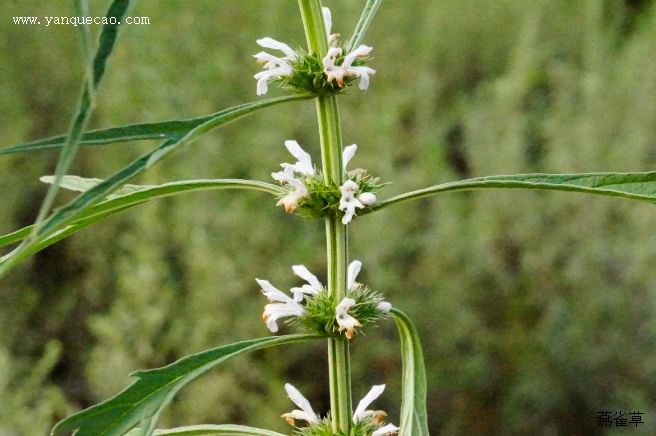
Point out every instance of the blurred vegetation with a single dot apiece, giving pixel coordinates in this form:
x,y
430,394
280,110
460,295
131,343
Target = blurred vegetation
x,y
536,310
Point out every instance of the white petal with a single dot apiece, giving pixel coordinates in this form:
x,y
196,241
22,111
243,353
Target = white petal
x,y
363,73
349,203
301,190
360,51
271,292
304,159
290,201
264,76
348,154
364,81
348,216
367,198
305,289
285,175
374,393
277,45
306,275
387,430
301,402
353,271
329,60
271,324
274,311
344,305
349,187
327,20
262,86
264,56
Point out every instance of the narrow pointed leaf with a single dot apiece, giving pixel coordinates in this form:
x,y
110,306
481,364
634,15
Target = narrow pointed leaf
x,y
208,429
108,36
144,399
171,129
81,9
366,18
67,214
413,407
634,186
124,198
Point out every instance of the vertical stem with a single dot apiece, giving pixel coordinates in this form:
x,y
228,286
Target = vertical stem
x,y
336,234
330,135
339,358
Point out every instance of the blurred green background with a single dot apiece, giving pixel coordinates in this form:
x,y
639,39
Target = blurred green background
x,y
536,310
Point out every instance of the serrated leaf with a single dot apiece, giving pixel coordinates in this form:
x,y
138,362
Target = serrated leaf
x,y
144,400
413,407
634,186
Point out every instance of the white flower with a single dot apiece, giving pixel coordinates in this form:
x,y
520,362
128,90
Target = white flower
x,y
274,311
306,413
389,429
303,166
339,72
344,320
275,67
313,287
360,412
290,201
348,202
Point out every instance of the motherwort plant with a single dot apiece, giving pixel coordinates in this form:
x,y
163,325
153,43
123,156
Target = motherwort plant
x,y
338,311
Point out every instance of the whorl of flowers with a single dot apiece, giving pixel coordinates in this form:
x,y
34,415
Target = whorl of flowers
x,y
308,195
303,72
313,308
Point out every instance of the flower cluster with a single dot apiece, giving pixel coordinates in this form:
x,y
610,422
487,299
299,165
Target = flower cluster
x,y
305,72
314,308
366,422
308,193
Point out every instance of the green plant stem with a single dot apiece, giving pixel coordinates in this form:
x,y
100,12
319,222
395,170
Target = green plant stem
x,y
338,350
336,234
331,139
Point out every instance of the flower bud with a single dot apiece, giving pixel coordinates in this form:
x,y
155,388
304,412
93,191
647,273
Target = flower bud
x,y
367,198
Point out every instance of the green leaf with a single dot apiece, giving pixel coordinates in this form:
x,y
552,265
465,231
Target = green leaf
x,y
171,129
67,214
81,9
634,186
142,402
413,406
208,429
117,10
366,18
83,184
124,198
